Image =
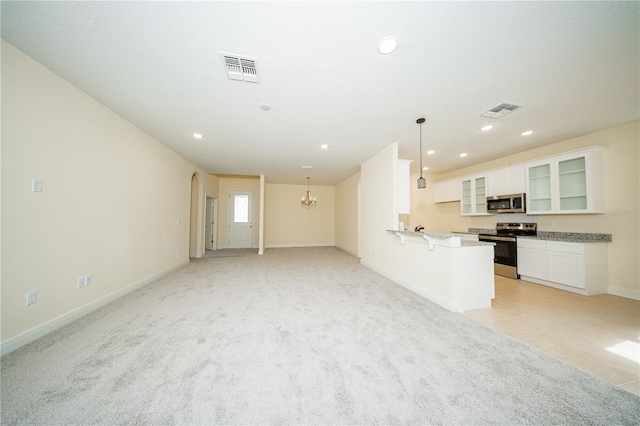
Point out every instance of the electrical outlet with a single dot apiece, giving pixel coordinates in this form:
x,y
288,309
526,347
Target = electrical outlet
x,y
179,250
88,279
81,282
32,297
551,224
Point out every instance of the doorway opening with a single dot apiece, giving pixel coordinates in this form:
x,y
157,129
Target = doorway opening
x,y
211,225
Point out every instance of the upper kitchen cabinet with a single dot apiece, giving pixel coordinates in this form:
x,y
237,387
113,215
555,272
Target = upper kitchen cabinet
x,y
506,181
447,190
566,184
404,186
474,196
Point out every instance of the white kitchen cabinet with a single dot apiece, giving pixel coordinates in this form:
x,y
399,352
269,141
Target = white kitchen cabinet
x,y
474,196
565,263
577,267
506,181
404,186
447,190
566,184
532,258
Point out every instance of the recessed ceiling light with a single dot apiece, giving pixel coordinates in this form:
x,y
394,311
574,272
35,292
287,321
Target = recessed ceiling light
x,y
464,154
388,45
425,168
324,146
306,167
265,107
431,152
198,136
527,133
487,127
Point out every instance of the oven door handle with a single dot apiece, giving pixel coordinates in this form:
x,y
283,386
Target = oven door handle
x,y
492,238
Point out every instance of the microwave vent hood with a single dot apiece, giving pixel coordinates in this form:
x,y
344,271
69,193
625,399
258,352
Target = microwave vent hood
x,y
512,203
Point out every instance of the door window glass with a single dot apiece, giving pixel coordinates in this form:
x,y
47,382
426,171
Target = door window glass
x,y
241,208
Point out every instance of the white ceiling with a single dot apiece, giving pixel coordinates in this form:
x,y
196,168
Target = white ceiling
x,y
573,66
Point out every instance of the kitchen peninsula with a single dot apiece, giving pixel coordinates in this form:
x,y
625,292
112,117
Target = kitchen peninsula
x,y
452,272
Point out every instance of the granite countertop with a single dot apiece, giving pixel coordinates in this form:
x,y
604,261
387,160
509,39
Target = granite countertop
x,y
463,243
571,237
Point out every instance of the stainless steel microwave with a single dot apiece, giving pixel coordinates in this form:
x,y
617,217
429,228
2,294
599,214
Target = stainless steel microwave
x,y
514,203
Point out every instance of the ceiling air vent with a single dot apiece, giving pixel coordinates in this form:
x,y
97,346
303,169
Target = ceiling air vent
x,y
500,110
240,68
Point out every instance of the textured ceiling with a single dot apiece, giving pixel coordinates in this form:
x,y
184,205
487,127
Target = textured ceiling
x,y
573,66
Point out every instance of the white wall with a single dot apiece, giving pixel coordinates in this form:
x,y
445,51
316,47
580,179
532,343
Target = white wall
x,y
347,216
115,202
379,205
289,224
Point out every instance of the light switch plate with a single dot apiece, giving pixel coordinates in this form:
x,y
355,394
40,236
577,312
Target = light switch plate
x,y
36,185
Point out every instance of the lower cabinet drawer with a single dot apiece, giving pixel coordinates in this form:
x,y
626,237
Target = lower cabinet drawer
x,y
563,247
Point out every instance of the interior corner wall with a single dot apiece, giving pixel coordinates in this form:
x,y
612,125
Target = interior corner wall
x,y
114,202
379,205
347,215
289,224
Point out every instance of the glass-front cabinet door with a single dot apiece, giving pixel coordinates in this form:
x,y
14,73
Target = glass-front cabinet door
x,y
474,196
572,184
567,183
466,197
539,197
481,195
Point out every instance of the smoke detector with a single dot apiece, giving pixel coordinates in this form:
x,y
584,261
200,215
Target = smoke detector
x,y
242,68
500,110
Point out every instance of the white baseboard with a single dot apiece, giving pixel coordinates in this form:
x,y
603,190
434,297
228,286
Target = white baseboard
x,y
29,336
299,245
351,252
559,286
624,292
447,304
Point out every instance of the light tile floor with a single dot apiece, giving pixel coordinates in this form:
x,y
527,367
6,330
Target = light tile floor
x,y
599,334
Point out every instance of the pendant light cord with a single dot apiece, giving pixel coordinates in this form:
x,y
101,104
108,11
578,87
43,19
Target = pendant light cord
x,y
420,121
420,149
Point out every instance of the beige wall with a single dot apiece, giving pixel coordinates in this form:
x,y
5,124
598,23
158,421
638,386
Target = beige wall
x,y
237,183
289,224
423,210
379,206
346,215
115,202
622,202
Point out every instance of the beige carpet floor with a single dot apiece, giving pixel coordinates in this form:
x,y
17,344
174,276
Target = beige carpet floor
x,y
296,336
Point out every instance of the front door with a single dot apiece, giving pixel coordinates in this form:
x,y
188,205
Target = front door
x,y
240,219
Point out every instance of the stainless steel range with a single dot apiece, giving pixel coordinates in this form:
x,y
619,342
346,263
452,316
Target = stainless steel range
x,y
505,258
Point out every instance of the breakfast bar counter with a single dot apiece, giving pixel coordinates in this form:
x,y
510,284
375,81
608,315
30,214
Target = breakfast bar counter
x,y
454,273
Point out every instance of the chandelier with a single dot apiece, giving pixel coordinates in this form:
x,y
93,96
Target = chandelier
x,y
308,200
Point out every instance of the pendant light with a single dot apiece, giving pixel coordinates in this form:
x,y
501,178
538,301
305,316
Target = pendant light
x,y
308,200
422,183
